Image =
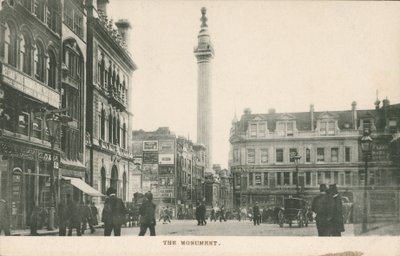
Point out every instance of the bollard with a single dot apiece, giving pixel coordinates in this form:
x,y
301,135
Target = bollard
x,y
51,218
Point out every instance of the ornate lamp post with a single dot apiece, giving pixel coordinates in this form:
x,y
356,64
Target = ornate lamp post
x,y
296,159
366,147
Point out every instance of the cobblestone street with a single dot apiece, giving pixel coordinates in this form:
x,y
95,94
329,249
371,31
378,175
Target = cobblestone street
x,y
229,228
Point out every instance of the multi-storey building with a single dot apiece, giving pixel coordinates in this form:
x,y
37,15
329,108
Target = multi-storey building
x,y
109,70
73,90
171,167
264,169
30,83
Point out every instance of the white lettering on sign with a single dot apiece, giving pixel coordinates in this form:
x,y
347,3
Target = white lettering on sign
x,y
30,87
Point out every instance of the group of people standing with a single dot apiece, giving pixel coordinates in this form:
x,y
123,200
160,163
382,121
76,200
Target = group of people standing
x,y
73,215
328,208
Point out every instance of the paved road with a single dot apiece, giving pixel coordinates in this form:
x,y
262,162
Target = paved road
x,y
229,228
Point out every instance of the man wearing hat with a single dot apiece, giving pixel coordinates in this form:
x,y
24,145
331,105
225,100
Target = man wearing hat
x,y
147,215
256,213
322,205
337,216
114,212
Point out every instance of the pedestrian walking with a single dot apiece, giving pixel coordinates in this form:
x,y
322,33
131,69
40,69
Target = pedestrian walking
x,y
147,215
87,219
322,205
213,215
74,216
197,213
4,218
34,220
95,212
167,215
256,214
202,214
222,214
114,213
62,219
337,226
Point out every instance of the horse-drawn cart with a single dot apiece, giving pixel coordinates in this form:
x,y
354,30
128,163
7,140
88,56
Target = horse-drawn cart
x,y
294,209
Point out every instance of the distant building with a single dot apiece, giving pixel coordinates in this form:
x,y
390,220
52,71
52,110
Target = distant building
x,y
171,167
328,142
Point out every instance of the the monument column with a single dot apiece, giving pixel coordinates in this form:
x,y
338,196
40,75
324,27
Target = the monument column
x,y
204,52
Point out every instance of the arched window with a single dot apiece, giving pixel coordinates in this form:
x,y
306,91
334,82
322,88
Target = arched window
x,y
124,186
25,54
103,180
40,60
10,45
114,178
51,70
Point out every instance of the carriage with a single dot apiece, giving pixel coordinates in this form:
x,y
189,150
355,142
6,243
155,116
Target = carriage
x,y
294,209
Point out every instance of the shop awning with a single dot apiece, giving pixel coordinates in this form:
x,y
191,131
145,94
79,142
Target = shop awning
x,y
82,186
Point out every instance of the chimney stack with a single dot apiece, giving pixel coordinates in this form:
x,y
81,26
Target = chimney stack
x,y
123,27
312,116
102,6
247,111
354,114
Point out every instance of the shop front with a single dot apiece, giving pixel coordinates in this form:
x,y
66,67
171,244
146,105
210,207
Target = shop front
x,y
25,173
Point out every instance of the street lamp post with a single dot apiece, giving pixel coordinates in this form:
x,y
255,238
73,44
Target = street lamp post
x,y
366,147
296,159
53,122
53,127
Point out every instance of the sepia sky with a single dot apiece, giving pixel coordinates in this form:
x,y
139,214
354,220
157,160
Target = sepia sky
x,y
282,55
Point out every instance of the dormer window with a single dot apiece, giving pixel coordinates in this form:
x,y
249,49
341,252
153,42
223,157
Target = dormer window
x,y
285,128
257,129
327,128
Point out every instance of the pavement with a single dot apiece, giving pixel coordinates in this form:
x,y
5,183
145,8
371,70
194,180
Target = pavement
x,y
235,228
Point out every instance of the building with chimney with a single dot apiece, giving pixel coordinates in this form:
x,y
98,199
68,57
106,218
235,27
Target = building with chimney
x,y
265,146
204,52
108,124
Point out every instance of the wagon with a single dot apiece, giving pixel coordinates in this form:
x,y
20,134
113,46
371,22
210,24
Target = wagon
x,y
294,210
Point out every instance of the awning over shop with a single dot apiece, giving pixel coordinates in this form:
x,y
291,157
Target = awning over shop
x,y
82,186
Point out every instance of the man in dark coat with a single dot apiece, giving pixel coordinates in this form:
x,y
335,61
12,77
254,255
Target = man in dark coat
x,y
322,205
95,212
256,214
114,212
74,216
202,214
4,217
147,215
197,213
62,219
337,226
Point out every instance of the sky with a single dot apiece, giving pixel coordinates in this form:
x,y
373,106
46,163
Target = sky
x,y
268,54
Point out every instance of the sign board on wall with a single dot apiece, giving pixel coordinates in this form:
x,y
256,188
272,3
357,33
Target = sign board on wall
x,y
137,148
167,146
166,158
150,171
146,185
150,145
150,158
165,170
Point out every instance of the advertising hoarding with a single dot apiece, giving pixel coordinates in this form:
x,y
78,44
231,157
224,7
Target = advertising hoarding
x,y
150,158
150,145
166,159
166,146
